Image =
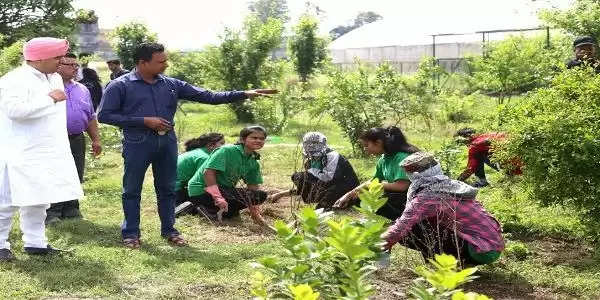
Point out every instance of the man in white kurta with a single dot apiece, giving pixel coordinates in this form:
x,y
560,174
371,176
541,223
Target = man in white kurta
x,y
36,164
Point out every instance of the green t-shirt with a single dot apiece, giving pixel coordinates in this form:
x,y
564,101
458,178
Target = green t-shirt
x,y
232,165
187,165
388,167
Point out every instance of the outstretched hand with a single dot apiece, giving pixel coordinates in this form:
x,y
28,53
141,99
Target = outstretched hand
x,y
260,92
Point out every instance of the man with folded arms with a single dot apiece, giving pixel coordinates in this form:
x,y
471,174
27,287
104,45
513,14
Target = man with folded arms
x,y
36,165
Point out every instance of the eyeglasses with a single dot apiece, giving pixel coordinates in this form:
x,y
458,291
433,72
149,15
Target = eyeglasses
x,y
73,65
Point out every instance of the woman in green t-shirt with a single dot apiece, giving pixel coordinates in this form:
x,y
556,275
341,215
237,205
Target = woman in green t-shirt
x,y
196,152
212,189
393,147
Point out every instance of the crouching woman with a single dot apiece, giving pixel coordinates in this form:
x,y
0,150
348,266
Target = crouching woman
x,y
197,151
327,174
443,216
213,190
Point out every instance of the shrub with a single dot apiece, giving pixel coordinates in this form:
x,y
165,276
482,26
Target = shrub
x,y
11,57
275,112
198,68
365,98
334,258
516,65
555,132
517,250
457,108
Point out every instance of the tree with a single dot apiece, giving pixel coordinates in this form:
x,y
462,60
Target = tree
x,y
86,16
307,50
580,19
265,9
361,19
244,60
126,37
25,19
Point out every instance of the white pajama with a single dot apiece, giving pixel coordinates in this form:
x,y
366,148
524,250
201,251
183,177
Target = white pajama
x,y
32,225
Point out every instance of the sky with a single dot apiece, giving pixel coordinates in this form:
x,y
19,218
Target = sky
x,y
193,24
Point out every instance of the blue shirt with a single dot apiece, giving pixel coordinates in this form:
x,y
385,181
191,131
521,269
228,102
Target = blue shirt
x,y
128,99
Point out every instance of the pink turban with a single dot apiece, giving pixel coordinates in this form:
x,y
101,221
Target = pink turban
x,y
44,48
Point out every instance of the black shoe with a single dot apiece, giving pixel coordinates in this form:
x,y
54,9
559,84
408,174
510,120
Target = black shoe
x,y
52,220
480,184
73,213
184,208
208,213
6,255
42,251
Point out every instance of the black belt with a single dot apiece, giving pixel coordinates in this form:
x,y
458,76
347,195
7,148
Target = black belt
x,y
75,135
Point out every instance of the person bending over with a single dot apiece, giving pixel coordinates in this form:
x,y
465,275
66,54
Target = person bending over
x,y
213,189
393,147
443,216
196,153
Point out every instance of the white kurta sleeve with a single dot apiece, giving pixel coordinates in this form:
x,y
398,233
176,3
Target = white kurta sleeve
x,y
17,103
328,171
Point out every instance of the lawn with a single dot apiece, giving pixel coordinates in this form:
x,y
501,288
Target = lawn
x,y
559,263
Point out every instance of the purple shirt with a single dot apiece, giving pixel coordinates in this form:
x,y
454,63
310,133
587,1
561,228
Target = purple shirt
x,y
79,107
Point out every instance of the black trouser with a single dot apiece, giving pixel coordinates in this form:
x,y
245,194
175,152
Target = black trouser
x,y
182,196
313,190
69,209
430,239
394,207
482,160
237,199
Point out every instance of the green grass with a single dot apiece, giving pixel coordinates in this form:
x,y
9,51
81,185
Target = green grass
x,y
216,265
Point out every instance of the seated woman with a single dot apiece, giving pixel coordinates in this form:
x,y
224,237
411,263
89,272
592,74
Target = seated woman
x,y
391,144
327,176
196,152
443,216
212,190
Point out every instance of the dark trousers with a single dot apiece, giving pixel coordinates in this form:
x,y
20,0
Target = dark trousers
x,y
237,199
182,196
70,209
482,160
313,190
394,207
142,148
430,239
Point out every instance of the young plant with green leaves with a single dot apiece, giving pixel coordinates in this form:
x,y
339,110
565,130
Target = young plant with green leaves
x,y
443,280
332,257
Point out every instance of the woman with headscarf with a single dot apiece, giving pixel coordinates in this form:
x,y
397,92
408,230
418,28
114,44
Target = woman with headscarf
x,y
327,176
443,216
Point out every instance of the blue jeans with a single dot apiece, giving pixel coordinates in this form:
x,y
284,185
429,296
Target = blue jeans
x,y
142,147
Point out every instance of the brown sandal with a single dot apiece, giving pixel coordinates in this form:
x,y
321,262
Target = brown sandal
x,y
132,243
176,240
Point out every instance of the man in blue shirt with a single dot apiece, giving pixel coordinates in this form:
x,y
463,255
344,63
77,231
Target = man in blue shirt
x,y
143,104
